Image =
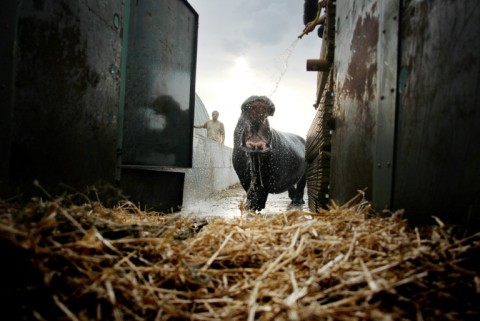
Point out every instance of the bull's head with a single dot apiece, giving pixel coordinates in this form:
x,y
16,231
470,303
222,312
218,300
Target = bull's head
x,y
257,136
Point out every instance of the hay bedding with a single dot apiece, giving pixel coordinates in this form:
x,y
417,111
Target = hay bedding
x,y
69,262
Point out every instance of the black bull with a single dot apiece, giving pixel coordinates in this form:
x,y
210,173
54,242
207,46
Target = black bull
x,y
266,160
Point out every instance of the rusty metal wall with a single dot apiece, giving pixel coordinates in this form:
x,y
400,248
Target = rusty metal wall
x,y
437,140
406,107
65,89
356,94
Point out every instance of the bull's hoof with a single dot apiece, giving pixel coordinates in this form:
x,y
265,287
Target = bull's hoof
x,y
296,205
298,202
252,207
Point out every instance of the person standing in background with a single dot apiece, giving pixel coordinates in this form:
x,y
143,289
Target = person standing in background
x,y
215,128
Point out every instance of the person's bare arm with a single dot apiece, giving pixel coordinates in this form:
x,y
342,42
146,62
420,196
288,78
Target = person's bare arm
x,y
223,134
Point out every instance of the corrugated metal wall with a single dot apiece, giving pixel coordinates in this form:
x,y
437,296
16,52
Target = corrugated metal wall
x,y
318,143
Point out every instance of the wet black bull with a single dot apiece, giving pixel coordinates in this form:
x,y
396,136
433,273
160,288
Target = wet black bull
x,y
266,160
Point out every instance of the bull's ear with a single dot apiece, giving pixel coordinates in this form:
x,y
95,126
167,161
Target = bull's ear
x,y
244,107
271,110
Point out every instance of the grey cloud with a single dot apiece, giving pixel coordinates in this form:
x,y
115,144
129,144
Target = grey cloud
x,y
234,45
265,31
237,25
268,24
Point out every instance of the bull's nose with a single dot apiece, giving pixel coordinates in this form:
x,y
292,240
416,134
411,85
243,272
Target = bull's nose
x,y
256,145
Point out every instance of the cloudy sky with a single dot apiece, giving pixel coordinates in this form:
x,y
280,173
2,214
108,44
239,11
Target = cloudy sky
x,y
251,47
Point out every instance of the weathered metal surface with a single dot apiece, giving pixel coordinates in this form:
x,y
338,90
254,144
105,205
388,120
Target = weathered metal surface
x,y
159,101
110,12
406,108
356,93
437,169
66,95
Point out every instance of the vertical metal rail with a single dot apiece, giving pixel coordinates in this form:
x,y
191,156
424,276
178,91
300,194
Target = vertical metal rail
x,y
387,62
123,82
8,35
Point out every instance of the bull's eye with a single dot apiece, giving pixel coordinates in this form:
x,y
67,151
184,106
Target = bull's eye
x,y
246,107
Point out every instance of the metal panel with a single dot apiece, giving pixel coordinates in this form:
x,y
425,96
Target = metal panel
x,y
66,95
356,94
154,190
159,102
437,169
160,97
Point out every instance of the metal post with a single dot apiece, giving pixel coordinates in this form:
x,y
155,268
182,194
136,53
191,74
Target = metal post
x,y
387,62
123,82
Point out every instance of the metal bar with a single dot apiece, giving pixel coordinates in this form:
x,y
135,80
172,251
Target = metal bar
x,y
318,65
8,35
387,62
156,168
123,82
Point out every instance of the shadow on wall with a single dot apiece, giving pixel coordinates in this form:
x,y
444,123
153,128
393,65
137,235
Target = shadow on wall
x,y
212,170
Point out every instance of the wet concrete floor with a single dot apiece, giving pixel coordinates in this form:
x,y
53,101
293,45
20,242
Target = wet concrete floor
x,y
226,204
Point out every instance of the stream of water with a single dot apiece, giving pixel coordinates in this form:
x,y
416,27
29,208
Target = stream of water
x,y
283,60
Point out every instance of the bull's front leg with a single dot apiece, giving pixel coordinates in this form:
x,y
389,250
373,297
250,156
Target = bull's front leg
x,y
256,198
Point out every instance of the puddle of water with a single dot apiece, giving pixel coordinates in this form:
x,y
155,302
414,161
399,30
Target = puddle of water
x,y
226,204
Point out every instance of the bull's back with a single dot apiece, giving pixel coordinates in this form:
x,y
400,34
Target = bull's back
x,y
287,160
291,143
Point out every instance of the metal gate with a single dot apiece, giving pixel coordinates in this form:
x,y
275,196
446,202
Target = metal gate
x,y
159,102
97,91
